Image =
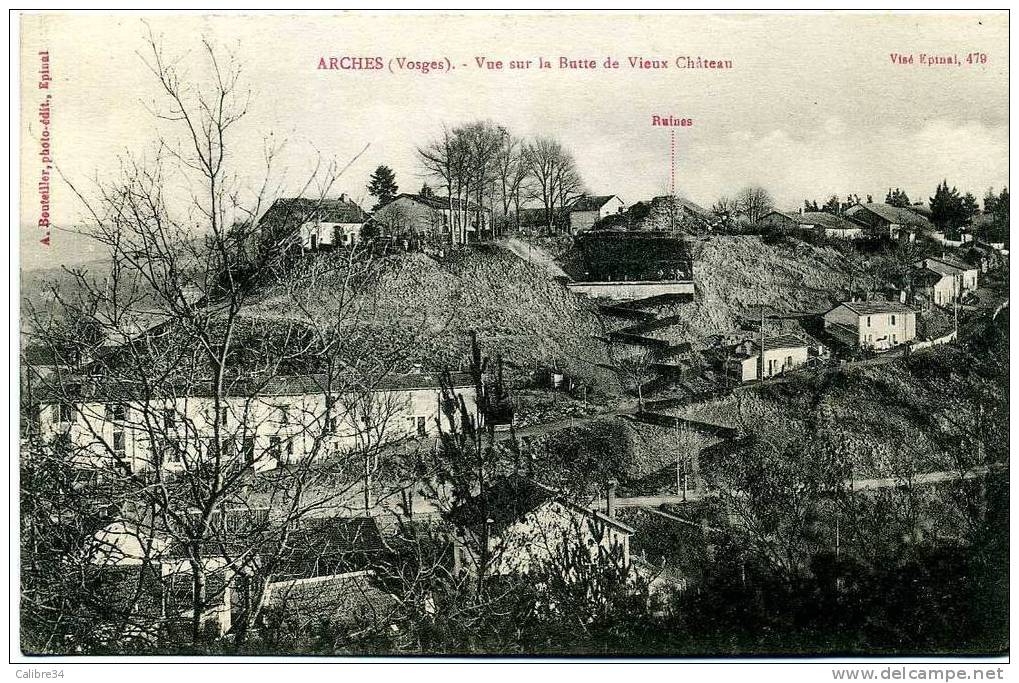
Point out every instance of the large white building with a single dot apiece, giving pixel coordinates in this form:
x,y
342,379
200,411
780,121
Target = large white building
x,y
283,420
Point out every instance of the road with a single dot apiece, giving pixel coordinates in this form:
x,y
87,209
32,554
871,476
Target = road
x,y
925,479
532,254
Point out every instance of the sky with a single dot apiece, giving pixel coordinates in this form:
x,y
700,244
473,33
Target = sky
x,y
813,103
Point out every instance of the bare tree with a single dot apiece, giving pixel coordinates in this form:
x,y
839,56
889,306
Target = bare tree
x,y
556,178
754,202
175,401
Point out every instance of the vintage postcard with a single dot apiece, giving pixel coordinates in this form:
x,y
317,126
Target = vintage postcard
x,y
678,335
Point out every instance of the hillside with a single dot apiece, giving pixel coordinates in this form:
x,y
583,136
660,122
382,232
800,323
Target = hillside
x,y
734,273
918,414
420,310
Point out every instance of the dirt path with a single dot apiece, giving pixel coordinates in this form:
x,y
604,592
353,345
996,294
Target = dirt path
x,y
532,254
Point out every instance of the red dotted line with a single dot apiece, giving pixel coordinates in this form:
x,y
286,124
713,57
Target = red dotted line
x,y
672,162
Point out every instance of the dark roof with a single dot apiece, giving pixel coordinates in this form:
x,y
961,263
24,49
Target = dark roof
x,y
95,388
869,307
896,214
509,499
824,219
340,534
954,262
341,598
302,209
440,202
590,202
781,341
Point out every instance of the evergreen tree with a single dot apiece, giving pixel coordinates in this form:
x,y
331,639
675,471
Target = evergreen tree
x,y
969,207
946,207
809,205
832,206
990,201
897,197
382,186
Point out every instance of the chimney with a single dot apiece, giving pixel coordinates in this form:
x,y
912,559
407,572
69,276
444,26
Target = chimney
x,y
610,497
343,196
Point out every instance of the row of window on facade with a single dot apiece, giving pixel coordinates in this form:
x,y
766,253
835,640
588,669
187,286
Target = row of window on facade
x,y
116,412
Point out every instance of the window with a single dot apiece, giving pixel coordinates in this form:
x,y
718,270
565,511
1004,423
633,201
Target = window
x,y
119,443
284,415
422,430
331,425
895,339
788,361
64,413
169,418
290,449
227,447
171,451
249,449
893,318
868,321
115,412
275,447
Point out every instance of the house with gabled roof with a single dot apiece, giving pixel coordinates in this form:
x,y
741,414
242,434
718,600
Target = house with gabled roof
x,y
782,353
317,223
822,222
894,222
947,278
587,210
525,525
879,325
432,217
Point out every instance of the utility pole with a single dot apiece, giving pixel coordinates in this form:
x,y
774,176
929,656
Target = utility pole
x,y
760,373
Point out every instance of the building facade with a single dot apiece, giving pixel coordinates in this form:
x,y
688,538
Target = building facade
x,y
782,353
586,210
878,325
431,217
288,420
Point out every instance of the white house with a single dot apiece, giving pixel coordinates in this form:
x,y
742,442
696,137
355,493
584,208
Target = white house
x,y
282,420
877,325
954,278
781,353
319,223
587,210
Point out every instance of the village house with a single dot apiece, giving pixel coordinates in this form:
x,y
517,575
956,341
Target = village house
x,y
879,325
821,222
952,278
528,525
893,222
433,218
587,210
151,583
319,223
282,420
782,353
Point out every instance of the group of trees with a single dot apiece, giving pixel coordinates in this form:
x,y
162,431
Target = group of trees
x,y
748,206
483,166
